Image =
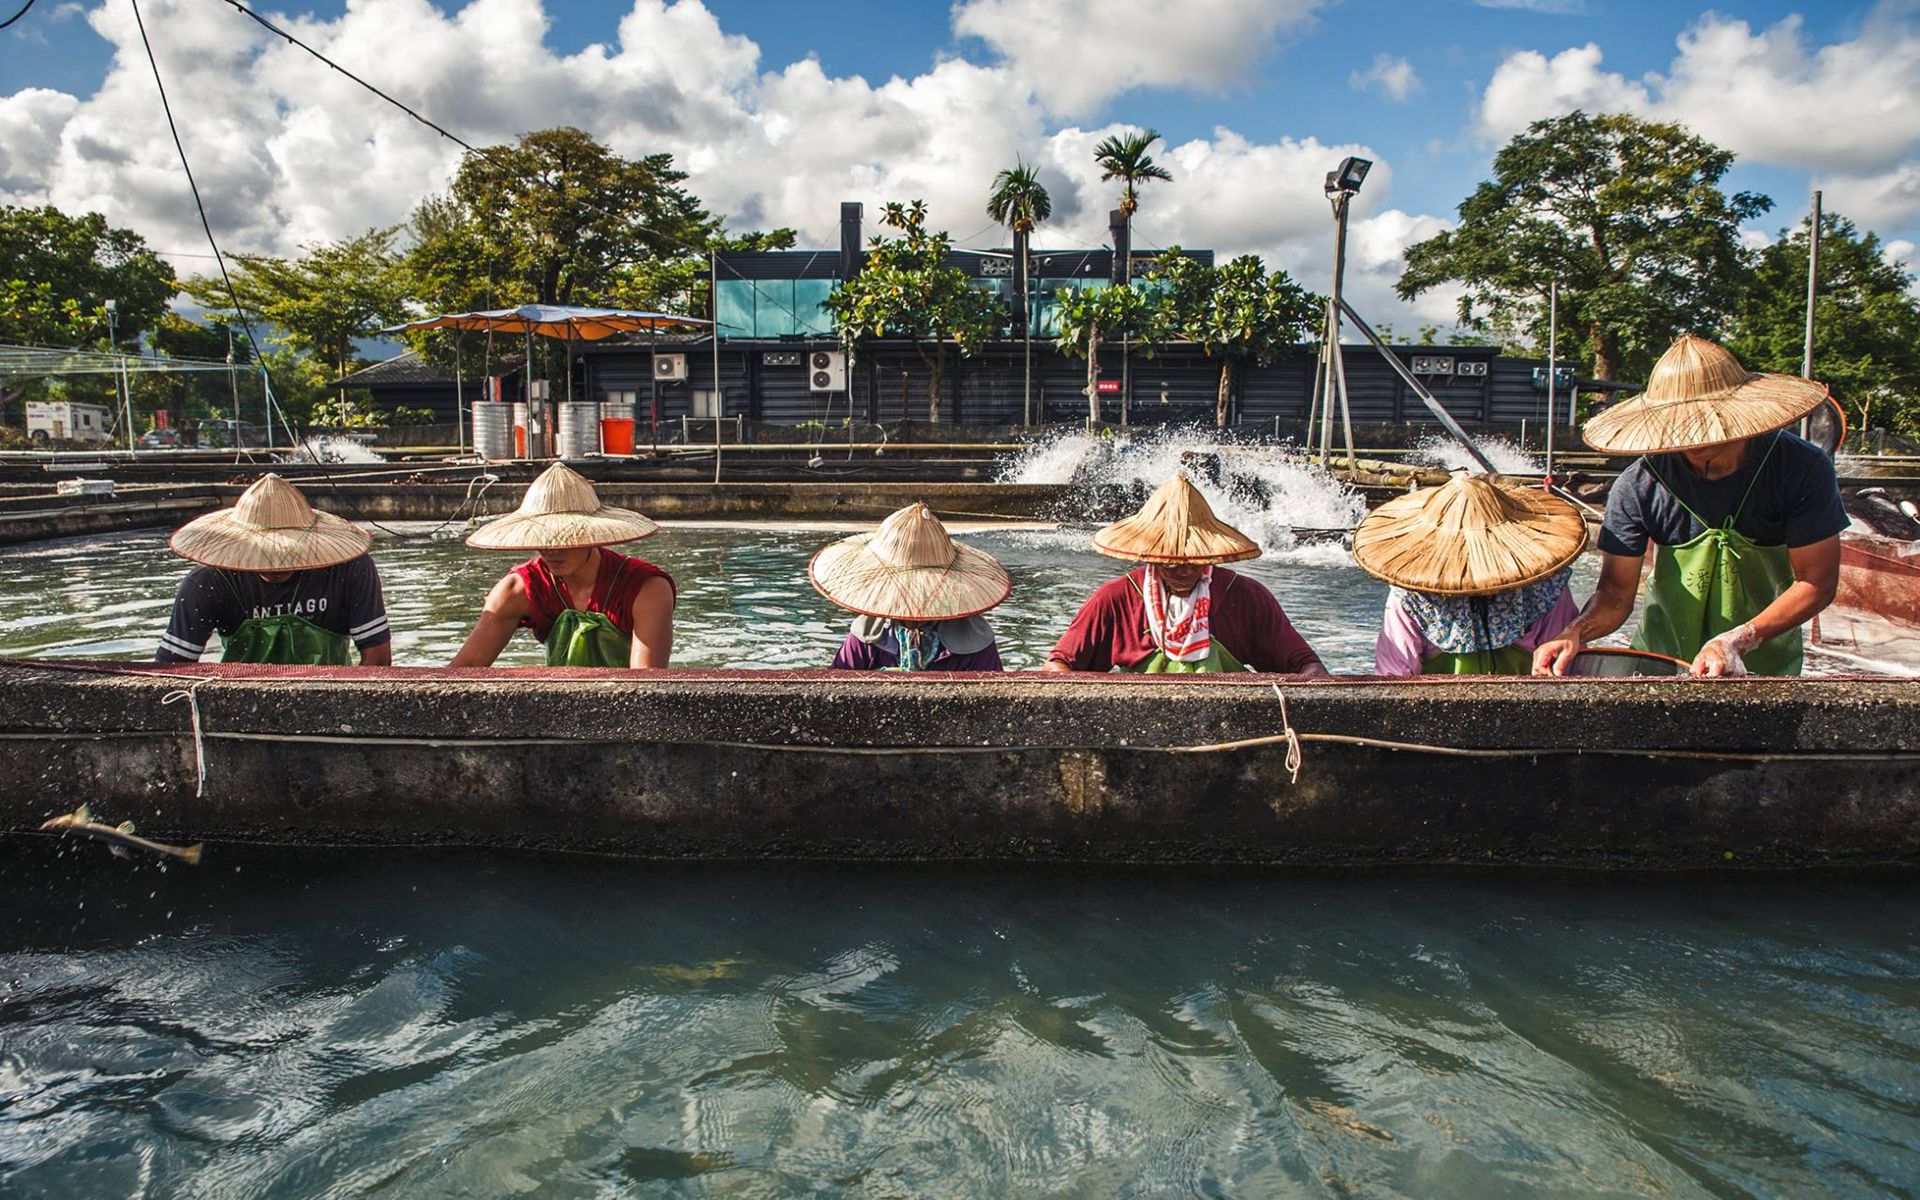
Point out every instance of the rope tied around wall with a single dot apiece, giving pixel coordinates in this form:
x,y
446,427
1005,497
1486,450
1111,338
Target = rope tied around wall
x,y
199,735
1294,757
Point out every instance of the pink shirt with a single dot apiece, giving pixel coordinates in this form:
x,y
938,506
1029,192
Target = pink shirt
x,y
1401,647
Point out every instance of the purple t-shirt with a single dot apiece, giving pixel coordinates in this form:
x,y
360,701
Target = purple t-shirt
x,y
884,652
1401,649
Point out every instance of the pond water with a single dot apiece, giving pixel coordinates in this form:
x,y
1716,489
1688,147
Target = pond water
x,y
744,596
446,1026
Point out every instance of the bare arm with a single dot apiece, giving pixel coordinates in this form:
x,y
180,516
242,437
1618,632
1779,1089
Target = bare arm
x,y
1055,665
652,624
1607,610
506,606
377,656
1816,576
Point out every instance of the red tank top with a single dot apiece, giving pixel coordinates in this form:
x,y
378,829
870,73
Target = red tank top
x,y
619,580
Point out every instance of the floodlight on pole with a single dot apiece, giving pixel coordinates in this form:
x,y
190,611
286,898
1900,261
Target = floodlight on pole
x,y
1346,178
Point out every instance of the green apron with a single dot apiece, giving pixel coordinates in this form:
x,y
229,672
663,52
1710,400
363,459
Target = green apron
x,y
1219,660
586,639
1507,660
1714,583
287,640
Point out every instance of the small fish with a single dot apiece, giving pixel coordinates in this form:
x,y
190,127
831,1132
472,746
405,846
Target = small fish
x,y
120,838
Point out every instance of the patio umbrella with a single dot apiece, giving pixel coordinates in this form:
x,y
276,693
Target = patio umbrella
x,y
566,321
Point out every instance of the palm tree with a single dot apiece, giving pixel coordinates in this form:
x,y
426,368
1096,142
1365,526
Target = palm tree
x,y
1124,156
1020,202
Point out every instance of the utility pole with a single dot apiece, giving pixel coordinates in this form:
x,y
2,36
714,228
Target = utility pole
x,y
1813,293
1553,359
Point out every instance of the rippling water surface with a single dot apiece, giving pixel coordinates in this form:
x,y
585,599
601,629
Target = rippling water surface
x,y
744,596
412,1025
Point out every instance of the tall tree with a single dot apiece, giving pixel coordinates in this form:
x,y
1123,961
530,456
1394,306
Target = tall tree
x,y
552,219
1092,316
1866,322
1124,156
1626,214
1019,201
1236,312
908,289
323,301
58,271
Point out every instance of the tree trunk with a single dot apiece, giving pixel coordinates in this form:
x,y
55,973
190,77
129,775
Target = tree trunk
x,y
1606,352
1226,390
1093,374
934,363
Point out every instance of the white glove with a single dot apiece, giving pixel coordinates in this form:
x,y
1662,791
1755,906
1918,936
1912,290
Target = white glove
x,y
1734,645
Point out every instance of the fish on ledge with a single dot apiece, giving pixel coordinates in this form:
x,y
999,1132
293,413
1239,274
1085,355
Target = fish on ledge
x,y
119,838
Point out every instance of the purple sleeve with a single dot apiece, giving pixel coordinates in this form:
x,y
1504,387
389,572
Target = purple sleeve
x,y
856,655
1400,649
1547,628
980,660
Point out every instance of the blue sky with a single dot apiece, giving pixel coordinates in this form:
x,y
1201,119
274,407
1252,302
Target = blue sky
x,y
1429,88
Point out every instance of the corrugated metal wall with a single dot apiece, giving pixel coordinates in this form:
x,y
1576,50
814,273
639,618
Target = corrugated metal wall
x,y
986,388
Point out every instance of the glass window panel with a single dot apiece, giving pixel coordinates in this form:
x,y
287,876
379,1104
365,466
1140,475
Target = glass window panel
x,y
736,308
808,296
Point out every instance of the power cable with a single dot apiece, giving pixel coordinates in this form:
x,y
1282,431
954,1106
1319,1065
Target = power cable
x,y
270,27
233,296
15,17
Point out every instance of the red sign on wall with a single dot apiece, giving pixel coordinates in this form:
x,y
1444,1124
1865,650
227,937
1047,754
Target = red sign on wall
x,y
1108,387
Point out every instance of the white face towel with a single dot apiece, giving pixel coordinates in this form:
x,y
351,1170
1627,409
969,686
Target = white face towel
x,y
1179,625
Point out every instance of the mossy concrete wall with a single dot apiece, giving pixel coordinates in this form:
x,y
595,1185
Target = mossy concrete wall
x,y
817,764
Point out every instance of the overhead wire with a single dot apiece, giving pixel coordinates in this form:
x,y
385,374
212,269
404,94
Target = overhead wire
x,y
15,17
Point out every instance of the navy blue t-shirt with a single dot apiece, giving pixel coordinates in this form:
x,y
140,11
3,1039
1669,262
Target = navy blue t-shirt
x,y
344,599
1795,499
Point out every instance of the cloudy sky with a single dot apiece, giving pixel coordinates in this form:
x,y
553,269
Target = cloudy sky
x,y
780,109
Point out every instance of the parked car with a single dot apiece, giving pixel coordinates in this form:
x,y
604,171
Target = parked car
x,y
161,439
229,433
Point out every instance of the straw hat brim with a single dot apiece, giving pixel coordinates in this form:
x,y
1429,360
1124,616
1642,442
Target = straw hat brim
x,y
605,526
1398,543
219,539
851,575
1150,541
1762,404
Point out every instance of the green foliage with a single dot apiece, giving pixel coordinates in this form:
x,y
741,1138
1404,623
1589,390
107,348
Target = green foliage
x,y
58,271
1124,156
1019,200
1626,214
1234,312
906,289
1090,316
1866,322
322,301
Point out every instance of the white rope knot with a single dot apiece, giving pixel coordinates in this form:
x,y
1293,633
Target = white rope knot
x,y
199,740
1294,760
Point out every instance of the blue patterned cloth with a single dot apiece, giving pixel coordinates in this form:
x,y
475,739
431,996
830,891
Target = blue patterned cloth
x,y
1470,624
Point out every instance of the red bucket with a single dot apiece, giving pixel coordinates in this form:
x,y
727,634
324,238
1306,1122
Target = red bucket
x,y
616,435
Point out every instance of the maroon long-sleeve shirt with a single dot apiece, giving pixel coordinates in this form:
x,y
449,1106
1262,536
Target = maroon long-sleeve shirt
x,y
1111,628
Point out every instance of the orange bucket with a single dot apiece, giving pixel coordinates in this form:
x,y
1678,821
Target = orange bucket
x,y
616,435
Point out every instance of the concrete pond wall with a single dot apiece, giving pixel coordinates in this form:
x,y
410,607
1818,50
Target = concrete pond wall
x,y
1662,773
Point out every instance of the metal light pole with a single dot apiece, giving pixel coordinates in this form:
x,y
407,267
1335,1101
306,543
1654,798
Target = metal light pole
x,y
122,393
1553,357
1343,184
1813,292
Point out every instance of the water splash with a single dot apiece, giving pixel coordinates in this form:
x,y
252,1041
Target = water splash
x,y
329,448
1261,490
1441,450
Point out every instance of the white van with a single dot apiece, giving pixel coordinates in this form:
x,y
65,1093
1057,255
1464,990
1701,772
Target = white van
x,y
68,421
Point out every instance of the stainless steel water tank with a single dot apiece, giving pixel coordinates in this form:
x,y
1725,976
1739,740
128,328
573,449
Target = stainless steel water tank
x,y
579,433
493,430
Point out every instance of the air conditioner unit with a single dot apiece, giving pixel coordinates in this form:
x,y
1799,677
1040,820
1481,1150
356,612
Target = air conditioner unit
x,y
827,371
1430,364
669,367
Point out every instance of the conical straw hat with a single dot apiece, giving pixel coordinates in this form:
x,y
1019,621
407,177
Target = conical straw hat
x,y
909,570
1469,537
1700,395
1175,525
270,528
561,509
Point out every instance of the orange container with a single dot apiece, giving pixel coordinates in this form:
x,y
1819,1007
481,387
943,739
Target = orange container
x,y
616,435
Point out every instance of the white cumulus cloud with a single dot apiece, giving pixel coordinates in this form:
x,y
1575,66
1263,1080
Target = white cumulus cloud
x,y
1847,111
1077,54
288,152
1389,75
